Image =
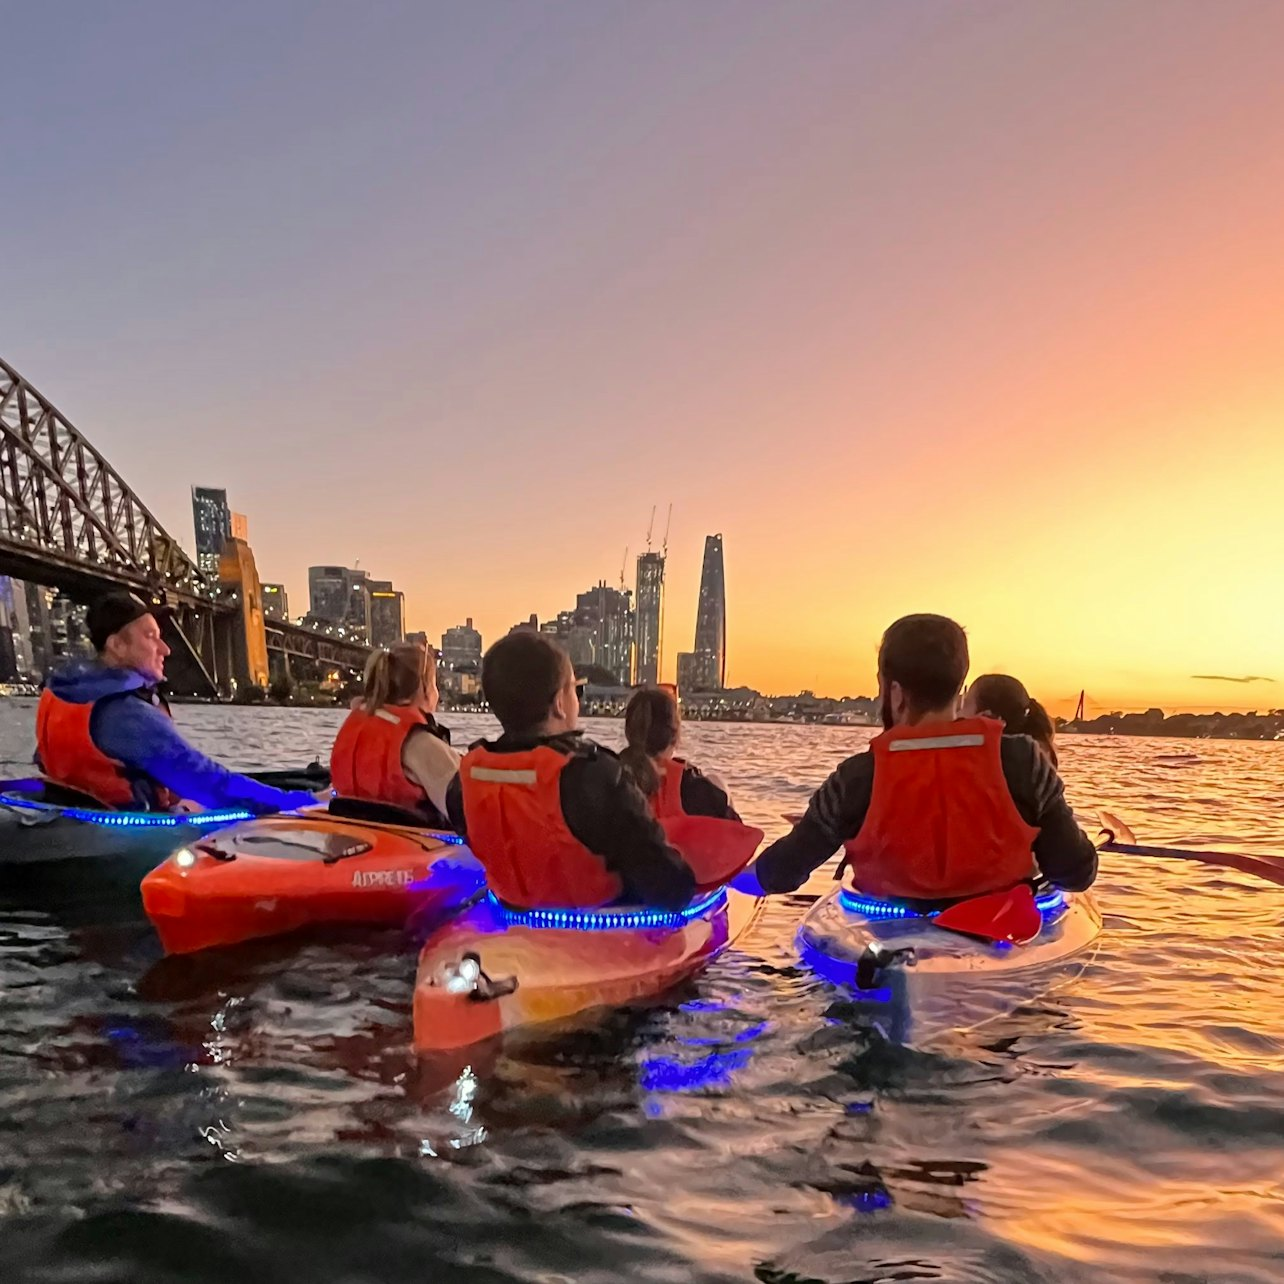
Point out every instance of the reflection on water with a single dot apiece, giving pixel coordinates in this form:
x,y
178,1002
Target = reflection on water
x,y
256,1114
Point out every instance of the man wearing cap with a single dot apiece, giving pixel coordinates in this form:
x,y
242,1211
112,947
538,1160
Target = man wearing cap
x,y
554,818
102,728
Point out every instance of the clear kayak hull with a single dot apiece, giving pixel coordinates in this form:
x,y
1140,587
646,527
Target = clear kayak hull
x,y
932,980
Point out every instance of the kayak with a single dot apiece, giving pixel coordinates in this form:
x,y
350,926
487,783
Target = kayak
x,y
277,874
923,979
36,831
495,970
43,824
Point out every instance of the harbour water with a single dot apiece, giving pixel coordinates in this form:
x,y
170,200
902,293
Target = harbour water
x,y
255,1116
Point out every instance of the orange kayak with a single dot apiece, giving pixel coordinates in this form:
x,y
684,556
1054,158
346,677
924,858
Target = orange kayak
x,y
276,874
494,970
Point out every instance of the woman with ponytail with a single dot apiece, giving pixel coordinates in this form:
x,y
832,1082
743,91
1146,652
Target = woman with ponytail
x,y
391,749
673,786
996,695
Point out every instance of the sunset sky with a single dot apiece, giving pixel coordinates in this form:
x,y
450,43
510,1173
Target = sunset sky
x,y
974,308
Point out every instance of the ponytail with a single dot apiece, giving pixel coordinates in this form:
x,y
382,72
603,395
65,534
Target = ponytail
x,y
638,765
651,724
378,682
394,676
1040,728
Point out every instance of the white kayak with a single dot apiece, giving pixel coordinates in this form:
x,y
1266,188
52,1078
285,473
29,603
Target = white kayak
x,y
922,980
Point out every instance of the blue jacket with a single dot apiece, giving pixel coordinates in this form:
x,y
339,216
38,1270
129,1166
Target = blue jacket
x,y
142,736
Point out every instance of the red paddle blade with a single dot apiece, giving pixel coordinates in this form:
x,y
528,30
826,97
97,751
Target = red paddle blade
x,y
716,850
998,916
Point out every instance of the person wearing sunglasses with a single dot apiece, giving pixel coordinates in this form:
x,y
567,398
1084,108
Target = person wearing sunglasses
x,y
552,816
391,750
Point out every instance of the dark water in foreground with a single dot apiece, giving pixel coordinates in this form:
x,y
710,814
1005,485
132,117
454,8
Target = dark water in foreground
x,y
255,1116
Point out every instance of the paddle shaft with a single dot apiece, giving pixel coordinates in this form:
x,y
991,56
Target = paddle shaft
x,y
1271,868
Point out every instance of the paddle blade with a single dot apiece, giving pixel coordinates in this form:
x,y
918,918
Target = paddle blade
x,y
716,850
1010,916
1113,825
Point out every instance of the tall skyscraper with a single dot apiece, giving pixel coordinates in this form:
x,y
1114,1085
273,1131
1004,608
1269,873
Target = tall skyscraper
x,y
711,616
387,613
276,605
608,612
461,645
213,521
650,602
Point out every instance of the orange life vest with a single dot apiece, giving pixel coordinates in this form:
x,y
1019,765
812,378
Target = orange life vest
x,y
69,757
941,821
667,800
513,815
366,759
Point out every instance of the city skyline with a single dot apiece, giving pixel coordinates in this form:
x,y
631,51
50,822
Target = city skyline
x,y
888,300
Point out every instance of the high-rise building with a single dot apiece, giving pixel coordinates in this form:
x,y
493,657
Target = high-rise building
x,y
387,613
276,605
213,521
340,595
711,615
697,671
461,645
240,527
608,613
16,623
650,605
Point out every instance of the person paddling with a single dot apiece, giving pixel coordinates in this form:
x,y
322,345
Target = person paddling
x,y
391,749
552,816
103,728
939,808
998,695
673,786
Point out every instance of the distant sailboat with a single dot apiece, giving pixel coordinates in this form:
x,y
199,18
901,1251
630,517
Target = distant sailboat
x,y
1078,709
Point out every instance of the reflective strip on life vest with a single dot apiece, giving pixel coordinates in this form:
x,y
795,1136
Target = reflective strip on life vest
x,y
501,776
937,742
388,717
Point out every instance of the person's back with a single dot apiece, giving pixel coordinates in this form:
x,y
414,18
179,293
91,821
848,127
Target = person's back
x,y
939,808
552,817
103,730
390,749
672,785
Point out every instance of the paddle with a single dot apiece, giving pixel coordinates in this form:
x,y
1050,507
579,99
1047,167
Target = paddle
x,y
1270,868
716,850
1010,916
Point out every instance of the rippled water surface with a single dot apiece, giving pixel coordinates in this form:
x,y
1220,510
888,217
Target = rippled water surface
x,y
254,1115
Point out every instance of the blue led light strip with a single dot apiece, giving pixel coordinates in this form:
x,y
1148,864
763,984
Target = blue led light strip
x,y
130,819
604,920
1049,904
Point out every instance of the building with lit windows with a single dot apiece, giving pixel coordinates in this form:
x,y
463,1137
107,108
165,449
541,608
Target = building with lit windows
x,y
213,521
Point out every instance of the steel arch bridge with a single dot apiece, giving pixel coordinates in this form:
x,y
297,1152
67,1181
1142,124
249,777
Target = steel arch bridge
x,y
68,520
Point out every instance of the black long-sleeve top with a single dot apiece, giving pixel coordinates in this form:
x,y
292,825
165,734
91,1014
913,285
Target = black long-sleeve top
x,y
606,812
703,797
1063,852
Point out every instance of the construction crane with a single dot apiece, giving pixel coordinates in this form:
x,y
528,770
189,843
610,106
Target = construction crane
x,y
664,548
624,563
650,526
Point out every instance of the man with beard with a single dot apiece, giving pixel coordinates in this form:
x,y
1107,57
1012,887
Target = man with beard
x,y
938,808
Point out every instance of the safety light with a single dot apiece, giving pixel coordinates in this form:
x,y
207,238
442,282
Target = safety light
x,y
611,919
